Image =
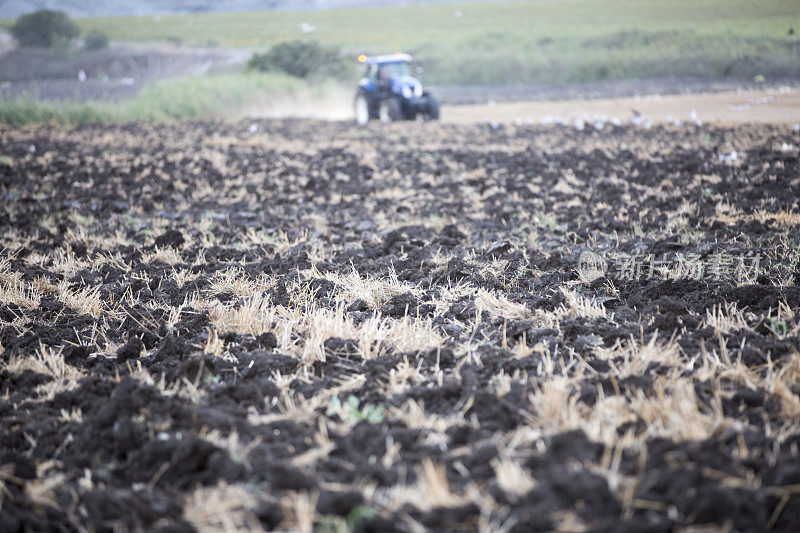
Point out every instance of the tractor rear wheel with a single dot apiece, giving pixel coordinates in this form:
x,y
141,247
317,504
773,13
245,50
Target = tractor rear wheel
x,y
389,110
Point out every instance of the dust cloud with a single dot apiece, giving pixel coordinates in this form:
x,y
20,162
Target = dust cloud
x,y
329,103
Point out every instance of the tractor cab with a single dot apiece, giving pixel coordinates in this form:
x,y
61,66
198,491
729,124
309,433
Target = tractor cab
x,y
389,92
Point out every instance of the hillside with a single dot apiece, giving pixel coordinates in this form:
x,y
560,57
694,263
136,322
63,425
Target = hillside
x,y
540,43
77,8
536,42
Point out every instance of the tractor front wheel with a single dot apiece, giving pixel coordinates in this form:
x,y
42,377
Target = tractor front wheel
x,y
361,109
432,109
390,110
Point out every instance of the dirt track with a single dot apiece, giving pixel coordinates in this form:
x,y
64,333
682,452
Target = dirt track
x,y
779,105
773,106
308,325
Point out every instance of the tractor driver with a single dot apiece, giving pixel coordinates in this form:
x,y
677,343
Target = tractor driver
x,y
383,78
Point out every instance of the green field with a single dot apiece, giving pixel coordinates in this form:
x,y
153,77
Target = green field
x,y
541,42
544,41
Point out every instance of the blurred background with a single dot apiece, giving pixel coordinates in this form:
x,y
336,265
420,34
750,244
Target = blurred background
x,y
73,61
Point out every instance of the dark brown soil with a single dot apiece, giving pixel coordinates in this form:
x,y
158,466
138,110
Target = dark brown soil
x,y
392,328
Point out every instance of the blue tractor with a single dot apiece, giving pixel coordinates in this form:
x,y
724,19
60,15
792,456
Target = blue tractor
x,y
389,92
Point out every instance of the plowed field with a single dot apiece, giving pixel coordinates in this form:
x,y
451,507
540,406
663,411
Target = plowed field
x,y
300,325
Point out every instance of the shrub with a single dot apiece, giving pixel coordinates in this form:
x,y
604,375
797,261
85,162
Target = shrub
x,y
95,40
44,28
301,59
